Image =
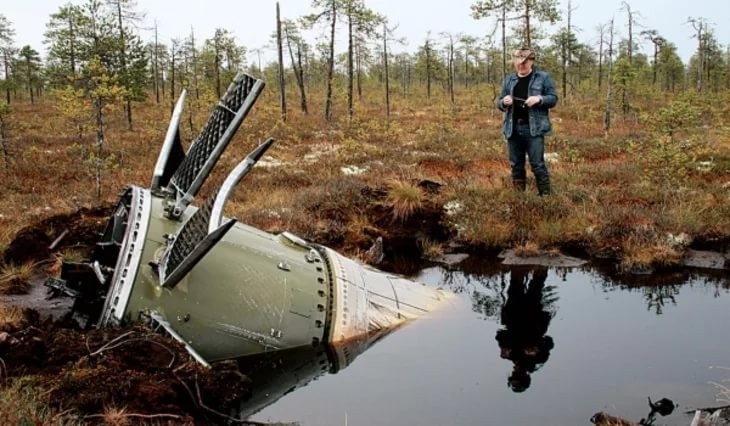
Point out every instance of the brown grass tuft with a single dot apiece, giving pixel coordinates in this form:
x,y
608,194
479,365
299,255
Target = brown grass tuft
x,y
404,198
15,279
11,317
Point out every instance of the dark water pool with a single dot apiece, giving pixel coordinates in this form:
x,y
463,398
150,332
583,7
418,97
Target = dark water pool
x,y
530,346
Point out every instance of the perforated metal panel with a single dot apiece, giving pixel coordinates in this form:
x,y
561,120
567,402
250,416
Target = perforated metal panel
x,y
213,139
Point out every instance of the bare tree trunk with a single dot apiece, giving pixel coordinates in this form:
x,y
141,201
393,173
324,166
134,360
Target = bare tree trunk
x,y
195,64
217,69
358,65
504,40
298,72
385,65
428,70
3,146
172,77
7,76
155,67
98,111
123,61
72,46
280,51
29,79
451,70
528,36
609,92
350,67
601,30
331,65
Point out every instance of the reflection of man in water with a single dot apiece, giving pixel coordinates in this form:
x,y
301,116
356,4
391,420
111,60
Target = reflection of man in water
x,y
523,340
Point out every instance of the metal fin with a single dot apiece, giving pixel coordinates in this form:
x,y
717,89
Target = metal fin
x,y
227,187
213,140
190,244
172,153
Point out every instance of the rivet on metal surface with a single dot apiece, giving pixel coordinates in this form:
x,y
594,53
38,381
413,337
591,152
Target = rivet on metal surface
x,y
320,308
275,333
284,266
183,318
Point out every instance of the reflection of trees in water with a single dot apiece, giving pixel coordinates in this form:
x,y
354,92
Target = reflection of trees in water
x,y
657,297
659,289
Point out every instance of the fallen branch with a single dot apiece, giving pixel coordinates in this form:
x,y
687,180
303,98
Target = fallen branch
x,y
111,342
199,403
109,346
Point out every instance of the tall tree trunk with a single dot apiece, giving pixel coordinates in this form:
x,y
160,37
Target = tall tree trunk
x,y
99,114
155,66
428,70
298,72
29,79
123,61
7,76
452,71
3,147
172,79
504,40
280,51
195,64
528,36
217,68
600,58
385,66
72,52
350,67
331,64
609,84
359,71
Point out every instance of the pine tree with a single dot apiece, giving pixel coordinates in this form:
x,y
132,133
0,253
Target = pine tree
x,y
65,44
29,63
7,52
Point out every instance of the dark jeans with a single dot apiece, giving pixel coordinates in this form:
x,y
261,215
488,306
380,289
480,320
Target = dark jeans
x,y
522,143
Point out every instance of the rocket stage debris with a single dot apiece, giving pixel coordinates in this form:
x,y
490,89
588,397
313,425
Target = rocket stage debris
x,y
224,289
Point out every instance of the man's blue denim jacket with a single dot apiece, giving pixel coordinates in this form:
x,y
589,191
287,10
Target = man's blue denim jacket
x,y
540,85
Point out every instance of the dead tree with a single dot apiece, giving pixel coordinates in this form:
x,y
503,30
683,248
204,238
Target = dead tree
x,y
280,51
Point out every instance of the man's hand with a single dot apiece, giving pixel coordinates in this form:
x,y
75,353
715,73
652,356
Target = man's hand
x,y
533,100
507,100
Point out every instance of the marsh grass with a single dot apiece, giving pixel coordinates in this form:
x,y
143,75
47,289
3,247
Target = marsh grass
x,y
15,279
21,406
616,191
11,317
404,199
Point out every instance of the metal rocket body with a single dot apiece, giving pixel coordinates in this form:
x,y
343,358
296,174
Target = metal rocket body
x,y
223,288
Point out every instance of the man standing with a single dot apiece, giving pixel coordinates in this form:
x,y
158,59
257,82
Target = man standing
x,y
526,97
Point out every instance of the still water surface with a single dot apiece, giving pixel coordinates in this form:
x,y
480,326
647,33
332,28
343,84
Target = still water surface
x,y
531,346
